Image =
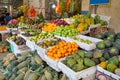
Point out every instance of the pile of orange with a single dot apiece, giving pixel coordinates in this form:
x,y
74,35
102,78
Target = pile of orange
x,y
3,28
63,49
50,27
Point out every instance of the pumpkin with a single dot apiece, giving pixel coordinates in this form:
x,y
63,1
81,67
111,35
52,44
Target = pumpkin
x,y
114,60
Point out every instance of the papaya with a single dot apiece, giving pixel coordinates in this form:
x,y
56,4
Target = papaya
x,y
107,43
118,35
100,45
78,67
111,67
110,34
96,60
88,62
113,51
81,53
70,62
97,54
114,60
117,44
100,36
75,56
110,39
88,55
102,59
106,55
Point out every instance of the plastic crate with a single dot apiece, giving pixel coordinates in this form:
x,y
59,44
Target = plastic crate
x,y
82,45
30,44
108,73
40,51
18,50
72,75
52,63
26,38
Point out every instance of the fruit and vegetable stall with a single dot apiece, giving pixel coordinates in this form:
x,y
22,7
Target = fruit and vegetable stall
x,y
58,49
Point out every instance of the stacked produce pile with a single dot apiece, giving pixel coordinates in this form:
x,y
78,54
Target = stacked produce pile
x,y
65,32
3,28
110,44
63,49
59,22
82,22
37,27
48,43
112,65
82,40
49,27
30,32
82,60
42,36
18,40
98,30
4,47
29,66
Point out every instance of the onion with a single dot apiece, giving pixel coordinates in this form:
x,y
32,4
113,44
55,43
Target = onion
x,y
101,76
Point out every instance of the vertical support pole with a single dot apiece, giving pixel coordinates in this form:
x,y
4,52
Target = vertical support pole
x,y
95,9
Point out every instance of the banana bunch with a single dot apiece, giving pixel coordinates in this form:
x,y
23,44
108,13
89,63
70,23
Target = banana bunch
x,y
23,8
